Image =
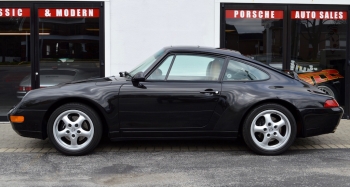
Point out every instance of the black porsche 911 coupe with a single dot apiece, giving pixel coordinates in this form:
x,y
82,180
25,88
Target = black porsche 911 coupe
x,y
180,92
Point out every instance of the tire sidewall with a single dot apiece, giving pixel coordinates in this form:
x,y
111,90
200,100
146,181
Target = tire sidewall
x,y
246,131
89,112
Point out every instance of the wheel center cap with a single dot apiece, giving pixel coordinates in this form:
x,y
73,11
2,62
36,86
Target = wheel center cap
x,y
270,129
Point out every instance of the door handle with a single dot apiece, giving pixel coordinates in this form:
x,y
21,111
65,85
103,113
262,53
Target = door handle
x,y
213,92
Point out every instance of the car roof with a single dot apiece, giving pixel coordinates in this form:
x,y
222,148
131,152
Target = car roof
x,y
220,51
203,49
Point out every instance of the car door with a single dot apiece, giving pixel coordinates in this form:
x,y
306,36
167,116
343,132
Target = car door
x,y
180,93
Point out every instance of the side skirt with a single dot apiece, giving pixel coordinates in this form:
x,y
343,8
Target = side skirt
x,y
172,135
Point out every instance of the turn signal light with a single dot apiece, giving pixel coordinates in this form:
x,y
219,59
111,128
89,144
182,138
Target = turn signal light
x,y
17,119
331,103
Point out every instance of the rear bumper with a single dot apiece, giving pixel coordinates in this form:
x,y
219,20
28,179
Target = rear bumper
x,y
320,121
32,125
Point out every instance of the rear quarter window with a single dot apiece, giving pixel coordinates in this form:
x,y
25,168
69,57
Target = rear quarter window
x,y
239,71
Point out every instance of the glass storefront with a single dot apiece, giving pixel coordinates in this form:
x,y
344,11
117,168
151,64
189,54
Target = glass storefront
x,y
318,49
46,44
317,41
15,57
257,34
69,45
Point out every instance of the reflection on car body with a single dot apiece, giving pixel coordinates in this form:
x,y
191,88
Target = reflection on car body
x,y
327,80
198,93
52,77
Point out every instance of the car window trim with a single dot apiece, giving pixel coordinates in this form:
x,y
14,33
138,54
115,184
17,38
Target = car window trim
x,y
247,63
171,65
223,70
157,65
150,69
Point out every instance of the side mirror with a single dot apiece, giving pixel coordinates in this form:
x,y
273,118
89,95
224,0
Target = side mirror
x,y
137,78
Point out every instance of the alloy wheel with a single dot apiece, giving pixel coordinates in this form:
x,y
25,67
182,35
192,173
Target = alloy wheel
x,y
270,130
73,130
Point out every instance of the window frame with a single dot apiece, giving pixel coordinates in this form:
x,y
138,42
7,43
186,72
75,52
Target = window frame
x,y
158,65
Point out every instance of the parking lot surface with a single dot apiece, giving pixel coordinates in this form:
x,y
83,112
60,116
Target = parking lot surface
x,y
11,142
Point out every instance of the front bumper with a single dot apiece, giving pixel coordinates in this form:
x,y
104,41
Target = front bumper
x,y
32,126
320,121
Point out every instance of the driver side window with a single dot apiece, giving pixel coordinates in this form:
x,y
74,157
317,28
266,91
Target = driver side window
x,y
189,67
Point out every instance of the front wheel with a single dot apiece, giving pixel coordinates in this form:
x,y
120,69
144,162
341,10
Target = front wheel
x,y
269,129
74,129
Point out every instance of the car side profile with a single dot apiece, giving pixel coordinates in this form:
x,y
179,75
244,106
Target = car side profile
x,y
180,92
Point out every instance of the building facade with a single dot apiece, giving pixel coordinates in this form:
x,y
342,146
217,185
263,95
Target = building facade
x,y
44,43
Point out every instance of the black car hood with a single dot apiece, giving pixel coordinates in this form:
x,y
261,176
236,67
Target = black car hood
x,y
97,81
104,79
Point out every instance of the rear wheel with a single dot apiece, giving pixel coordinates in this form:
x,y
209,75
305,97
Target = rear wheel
x,y
269,129
74,129
329,89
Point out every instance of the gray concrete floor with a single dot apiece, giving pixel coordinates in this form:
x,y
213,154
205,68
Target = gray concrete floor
x,y
11,142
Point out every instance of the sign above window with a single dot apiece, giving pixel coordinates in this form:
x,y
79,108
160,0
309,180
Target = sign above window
x,y
69,12
255,14
322,14
14,12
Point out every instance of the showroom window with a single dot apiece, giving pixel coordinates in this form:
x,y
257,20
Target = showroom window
x,y
318,48
312,40
257,34
15,64
47,43
69,40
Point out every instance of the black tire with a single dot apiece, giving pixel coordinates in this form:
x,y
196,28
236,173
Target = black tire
x,y
329,89
81,132
261,137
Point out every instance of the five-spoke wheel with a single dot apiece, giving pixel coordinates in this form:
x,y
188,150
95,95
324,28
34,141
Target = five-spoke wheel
x,y
74,129
269,129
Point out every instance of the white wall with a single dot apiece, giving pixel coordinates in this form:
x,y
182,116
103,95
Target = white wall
x,y
141,27
138,28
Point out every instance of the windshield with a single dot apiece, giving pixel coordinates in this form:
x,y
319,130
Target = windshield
x,y
147,63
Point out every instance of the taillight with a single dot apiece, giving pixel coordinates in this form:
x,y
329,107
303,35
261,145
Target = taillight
x,y
331,103
25,88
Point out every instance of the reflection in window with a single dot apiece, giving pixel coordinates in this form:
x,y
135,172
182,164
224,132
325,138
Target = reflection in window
x,y
68,43
318,49
256,34
318,43
14,59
